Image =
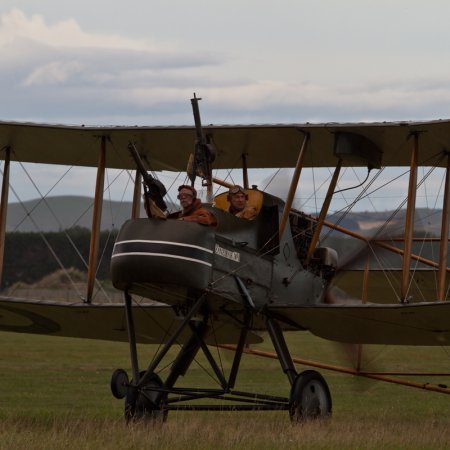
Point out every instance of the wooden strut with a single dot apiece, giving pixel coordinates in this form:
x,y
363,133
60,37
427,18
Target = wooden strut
x,y
4,207
443,251
293,186
96,220
382,244
415,239
209,191
245,170
409,226
227,184
349,371
222,182
364,297
324,211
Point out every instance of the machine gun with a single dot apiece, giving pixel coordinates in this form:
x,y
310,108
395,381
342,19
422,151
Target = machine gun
x,y
153,188
204,153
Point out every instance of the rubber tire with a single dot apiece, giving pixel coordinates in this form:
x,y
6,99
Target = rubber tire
x,y
119,383
310,397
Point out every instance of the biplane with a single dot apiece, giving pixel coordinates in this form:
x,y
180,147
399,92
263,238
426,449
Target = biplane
x,y
233,285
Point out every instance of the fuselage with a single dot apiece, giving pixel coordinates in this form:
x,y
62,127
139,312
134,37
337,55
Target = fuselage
x,y
239,264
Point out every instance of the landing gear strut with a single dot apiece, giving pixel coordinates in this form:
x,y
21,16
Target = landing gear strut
x,y
147,397
310,396
146,402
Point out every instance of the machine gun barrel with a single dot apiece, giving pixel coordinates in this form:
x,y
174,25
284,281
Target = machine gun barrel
x,y
153,187
201,140
204,153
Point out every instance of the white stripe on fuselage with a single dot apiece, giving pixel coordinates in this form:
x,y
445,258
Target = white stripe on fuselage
x,y
181,244
163,255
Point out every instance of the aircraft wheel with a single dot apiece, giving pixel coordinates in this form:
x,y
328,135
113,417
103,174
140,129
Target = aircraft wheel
x,y
310,397
144,404
119,383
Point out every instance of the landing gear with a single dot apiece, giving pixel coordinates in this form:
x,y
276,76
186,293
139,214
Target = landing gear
x,y
310,397
141,403
148,398
119,383
145,403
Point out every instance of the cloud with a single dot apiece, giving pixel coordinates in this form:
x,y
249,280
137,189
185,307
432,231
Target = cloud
x,y
62,73
28,43
53,73
62,63
66,33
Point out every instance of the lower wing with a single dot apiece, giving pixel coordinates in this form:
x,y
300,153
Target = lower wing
x,y
154,323
409,324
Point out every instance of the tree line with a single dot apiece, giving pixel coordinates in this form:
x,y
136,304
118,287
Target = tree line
x,y
30,256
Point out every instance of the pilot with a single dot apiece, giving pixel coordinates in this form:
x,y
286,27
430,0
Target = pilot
x,y
192,208
238,203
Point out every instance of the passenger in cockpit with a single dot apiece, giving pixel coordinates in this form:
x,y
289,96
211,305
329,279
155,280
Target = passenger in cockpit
x,y
192,208
238,204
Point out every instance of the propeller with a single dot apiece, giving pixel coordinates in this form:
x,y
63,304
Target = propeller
x,y
357,254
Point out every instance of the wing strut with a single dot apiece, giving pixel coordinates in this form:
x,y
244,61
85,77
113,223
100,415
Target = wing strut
x,y
245,170
409,226
381,244
4,207
443,251
364,297
96,220
294,184
324,211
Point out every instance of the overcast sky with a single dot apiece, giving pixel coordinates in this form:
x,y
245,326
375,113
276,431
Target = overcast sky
x,y
256,61
137,62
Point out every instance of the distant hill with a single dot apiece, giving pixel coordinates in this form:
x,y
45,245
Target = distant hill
x,y
63,212
59,213
427,221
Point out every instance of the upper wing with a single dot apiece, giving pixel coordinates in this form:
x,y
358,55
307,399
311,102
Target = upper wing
x,y
266,146
153,322
411,324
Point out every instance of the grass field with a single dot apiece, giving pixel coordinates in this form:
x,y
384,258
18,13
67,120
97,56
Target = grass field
x,y
55,395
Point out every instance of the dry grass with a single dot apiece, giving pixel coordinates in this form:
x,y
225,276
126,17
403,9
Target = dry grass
x,y
55,395
222,431
64,285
